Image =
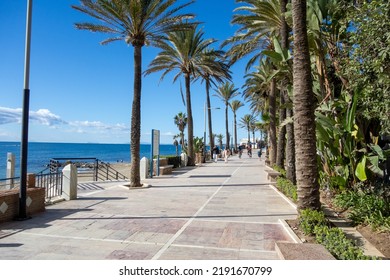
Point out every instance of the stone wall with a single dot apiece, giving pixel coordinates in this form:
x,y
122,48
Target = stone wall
x,y
9,203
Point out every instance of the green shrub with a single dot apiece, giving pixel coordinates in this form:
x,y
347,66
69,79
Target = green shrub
x,y
310,219
280,170
174,160
338,244
288,188
334,239
365,208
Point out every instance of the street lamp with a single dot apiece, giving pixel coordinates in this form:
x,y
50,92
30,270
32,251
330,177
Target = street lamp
x,y
25,116
205,118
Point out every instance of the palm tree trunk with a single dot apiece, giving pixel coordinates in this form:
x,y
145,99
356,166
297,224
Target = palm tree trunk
x,y
290,149
280,154
304,121
290,146
135,179
190,124
227,125
211,138
235,132
272,122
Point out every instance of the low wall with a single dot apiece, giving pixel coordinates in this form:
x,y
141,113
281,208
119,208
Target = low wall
x,y
9,203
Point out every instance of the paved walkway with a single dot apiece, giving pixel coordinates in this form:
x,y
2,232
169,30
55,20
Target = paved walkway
x,y
214,211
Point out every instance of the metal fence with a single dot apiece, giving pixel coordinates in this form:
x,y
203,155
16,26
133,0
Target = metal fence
x,y
9,183
52,182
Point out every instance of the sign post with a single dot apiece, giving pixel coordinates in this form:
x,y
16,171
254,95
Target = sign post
x,y
155,151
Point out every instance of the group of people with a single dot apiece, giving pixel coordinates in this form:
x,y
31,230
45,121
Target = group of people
x,y
226,152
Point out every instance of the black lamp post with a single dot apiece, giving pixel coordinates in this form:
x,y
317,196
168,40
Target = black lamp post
x,y
25,117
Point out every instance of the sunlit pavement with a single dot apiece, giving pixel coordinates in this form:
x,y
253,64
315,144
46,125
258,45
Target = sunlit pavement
x,y
213,211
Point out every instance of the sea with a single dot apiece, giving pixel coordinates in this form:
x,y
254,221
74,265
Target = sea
x,y
39,154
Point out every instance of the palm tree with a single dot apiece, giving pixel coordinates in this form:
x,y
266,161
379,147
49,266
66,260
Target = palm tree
x,y
220,140
258,20
183,52
304,120
246,122
215,70
235,105
138,23
226,92
181,121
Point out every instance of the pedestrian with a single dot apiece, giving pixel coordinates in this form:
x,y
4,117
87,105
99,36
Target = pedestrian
x,y
249,149
239,151
226,155
259,152
215,153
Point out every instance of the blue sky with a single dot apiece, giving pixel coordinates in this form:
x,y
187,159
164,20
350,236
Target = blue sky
x,y
82,91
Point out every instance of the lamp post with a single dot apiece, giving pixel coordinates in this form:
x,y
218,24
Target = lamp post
x,y
25,116
204,135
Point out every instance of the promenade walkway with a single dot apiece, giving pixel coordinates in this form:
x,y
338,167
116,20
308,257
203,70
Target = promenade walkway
x,y
214,211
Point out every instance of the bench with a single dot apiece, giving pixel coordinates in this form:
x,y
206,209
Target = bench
x,y
164,168
272,174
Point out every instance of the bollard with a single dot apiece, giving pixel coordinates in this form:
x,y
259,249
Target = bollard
x,y
10,173
183,159
69,182
144,168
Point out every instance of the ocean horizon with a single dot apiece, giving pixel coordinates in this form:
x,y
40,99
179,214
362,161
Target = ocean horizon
x,y
40,153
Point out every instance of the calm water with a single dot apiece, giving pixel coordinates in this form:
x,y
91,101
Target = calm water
x,y
39,154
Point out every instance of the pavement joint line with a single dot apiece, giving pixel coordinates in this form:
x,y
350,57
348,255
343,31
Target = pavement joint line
x,y
180,231
293,205
236,222
222,249
93,239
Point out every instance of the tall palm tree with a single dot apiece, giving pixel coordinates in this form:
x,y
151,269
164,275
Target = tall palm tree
x,y
258,20
246,122
226,92
235,105
183,53
215,69
181,121
304,120
138,23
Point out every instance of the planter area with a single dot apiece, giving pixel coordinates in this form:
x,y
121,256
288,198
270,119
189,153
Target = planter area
x,y
9,203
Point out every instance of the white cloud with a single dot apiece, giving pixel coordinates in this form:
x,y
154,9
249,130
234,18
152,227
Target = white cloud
x,y
42,116
9,115
100,126
45,117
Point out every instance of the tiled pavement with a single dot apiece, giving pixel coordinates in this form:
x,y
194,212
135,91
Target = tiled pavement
x,y
214,211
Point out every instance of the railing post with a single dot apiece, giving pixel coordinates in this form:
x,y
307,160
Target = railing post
x,y
96,169
106,171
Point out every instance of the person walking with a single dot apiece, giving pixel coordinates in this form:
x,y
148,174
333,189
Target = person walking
x,y
226,155
259,152
215,153
249,149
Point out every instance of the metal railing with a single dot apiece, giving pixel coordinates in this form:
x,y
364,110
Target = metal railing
x,y
50,178
9,183
52,182
105,172
91,169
